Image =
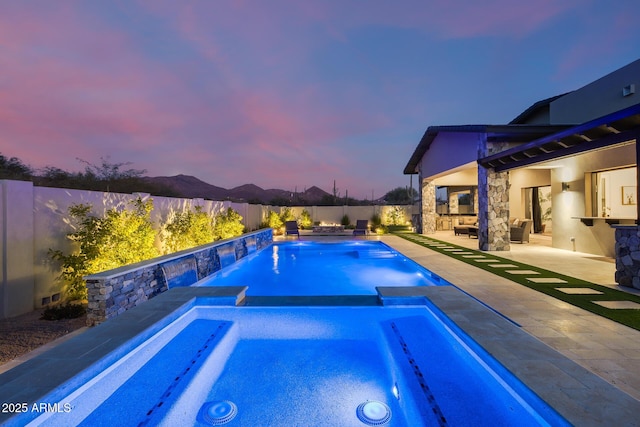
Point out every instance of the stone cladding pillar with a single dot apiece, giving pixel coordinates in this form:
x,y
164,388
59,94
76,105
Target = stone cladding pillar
x,y
628,256
428,207
493,202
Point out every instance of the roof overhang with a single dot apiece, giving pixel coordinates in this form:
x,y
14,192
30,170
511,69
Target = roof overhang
x,y
514,133
614,128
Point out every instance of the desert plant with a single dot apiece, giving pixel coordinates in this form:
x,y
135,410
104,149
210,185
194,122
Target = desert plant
x,y
227,224
305,219
375,220
119,238
345,220
188,229
273,221
286,215
395,216
376,224
66,311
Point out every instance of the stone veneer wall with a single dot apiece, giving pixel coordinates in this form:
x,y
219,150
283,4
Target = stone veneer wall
x,y
113,292
428,207
493,203
628,256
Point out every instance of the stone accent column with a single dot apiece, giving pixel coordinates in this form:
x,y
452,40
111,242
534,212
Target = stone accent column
x,y
428,207
493,202
627,256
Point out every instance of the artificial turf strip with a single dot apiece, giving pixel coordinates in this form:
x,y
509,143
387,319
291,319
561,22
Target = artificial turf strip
x,y
628,317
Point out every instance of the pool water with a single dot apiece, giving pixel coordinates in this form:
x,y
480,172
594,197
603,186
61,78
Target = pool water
x,y
305,366
318,269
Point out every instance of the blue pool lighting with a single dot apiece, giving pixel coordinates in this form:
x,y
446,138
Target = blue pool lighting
x,y
346,334
217,413
373,413
317,269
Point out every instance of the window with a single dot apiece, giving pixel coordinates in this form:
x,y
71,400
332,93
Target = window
x,y
614,193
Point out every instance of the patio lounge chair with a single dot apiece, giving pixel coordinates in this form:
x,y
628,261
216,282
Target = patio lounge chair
x,y
520,231
291,227
362,227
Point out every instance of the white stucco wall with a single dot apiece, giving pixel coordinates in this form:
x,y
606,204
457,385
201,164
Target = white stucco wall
x,y
16,248
598,239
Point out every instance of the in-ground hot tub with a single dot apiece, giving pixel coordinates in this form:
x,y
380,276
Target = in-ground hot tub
x,y
311,366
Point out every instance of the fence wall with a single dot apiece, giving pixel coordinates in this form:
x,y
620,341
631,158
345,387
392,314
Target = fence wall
x,y
36,219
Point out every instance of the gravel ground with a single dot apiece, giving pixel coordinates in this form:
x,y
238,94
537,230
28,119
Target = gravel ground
x,y
22,334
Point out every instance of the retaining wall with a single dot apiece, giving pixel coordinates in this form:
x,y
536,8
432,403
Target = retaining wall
x,y
115,291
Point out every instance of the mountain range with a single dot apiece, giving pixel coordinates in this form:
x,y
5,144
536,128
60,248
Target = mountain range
x,y
192,187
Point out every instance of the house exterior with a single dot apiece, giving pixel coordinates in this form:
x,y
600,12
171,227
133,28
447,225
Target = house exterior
x,y
568,162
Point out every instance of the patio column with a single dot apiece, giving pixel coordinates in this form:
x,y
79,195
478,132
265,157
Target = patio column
x,y
428,207
493,202
628,241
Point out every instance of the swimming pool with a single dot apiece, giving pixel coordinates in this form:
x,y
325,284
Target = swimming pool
x,y
307,366
307,268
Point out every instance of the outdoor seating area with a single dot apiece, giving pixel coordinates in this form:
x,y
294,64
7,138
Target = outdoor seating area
x,y
291,228
465,224
362,228
520,230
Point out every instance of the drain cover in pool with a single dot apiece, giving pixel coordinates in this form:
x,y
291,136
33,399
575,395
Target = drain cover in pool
x,y
373,413
217,413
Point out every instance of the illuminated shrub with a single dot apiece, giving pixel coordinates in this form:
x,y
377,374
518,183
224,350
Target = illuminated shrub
x,y
395,216
119,238
274,221
287,215
188,229
227,224
305,219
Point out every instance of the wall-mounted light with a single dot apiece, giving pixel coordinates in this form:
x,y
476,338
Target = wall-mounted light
x,y
565,187
629,90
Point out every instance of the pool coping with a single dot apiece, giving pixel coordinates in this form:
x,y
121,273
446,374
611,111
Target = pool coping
x,y
578,395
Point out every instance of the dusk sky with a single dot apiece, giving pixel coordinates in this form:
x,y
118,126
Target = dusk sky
x,y
286,93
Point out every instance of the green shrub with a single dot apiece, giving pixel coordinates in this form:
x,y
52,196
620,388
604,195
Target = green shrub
x,y
375,221
345,220
119,238
395,216
273,221
66,311
287,215
188,229
376,224
305,219
227,224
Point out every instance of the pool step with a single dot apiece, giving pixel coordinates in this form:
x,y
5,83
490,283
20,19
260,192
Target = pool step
x,y
373,254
